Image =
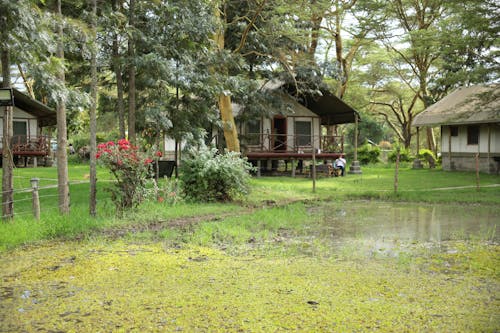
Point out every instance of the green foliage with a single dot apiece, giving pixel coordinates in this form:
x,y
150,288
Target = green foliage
x,y
209,176
131,170
429,156
368,153
404,154
368,129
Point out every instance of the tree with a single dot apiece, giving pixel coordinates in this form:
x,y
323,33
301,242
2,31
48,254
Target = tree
x,y
62,142
117,67
22,40
92,111
7,158
131,74
467,46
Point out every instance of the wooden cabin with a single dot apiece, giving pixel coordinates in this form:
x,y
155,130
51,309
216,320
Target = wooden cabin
x,y
469,119
29,117
293,130
298,130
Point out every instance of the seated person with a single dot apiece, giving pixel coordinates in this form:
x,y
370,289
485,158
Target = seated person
x,y
340,163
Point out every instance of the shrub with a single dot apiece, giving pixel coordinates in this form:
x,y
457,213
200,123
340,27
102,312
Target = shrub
x,y
429,156
368,154
404,154
130,168
206,175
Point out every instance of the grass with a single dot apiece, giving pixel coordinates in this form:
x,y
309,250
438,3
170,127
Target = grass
x,y
376,183
271,262
126,287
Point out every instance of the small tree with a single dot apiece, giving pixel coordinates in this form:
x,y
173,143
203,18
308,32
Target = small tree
x,y
131,170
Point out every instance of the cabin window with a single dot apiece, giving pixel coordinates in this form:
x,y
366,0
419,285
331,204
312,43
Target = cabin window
x,y
253,131
303,133
454,130
20,131
473,135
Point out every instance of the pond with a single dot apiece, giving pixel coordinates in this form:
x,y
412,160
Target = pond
x,y
383,226
410,222
349,267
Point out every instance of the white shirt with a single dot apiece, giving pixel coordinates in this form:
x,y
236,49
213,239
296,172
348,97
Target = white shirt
x,y
340,162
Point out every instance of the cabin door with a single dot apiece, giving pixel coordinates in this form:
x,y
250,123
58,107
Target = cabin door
x,y
279,133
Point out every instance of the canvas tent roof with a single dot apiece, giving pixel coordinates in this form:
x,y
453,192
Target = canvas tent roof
x,y
331,109
46,115
289,107
468,105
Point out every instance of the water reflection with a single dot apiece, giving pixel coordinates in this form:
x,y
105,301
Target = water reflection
x,y
383,226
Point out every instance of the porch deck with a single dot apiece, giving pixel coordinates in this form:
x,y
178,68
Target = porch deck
x,y
27,146
293,147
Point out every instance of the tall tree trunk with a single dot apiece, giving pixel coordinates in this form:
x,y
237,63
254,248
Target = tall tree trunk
x,y
7,158
62,157
119,79
225,106
316,20
131,76
431,139
92,113
338,50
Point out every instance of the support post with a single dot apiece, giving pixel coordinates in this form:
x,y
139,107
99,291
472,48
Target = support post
x,y
35,198
313,169
396,173
417,163
355,167
449,147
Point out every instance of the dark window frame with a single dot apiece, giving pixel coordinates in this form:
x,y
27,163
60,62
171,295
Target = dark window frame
x,y
253,137
453,131
473,134
303,139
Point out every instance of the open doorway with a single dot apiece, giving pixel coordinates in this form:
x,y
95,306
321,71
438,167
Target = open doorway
x,y
279,133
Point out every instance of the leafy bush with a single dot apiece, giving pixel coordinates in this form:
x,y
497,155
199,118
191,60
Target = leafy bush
x,y
207,176
404,154
368,154
131,169
429,156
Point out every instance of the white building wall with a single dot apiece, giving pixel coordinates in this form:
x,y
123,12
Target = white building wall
x,y
316,133
459,143
20,115
267,129
463,156
290,125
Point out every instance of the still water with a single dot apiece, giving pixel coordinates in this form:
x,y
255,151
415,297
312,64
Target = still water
x,y
382,226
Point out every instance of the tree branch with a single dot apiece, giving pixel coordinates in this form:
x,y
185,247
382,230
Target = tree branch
x,y
27,84
391,124
249,26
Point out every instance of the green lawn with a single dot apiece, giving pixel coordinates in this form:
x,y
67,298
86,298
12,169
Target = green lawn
x,y
375,183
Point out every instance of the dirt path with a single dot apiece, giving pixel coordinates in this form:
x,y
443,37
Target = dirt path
x,y
181,222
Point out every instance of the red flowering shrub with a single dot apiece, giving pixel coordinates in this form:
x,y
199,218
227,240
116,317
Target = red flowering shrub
x,y
130,168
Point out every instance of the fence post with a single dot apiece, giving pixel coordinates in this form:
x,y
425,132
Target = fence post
x,y
396,173
36,198
477,172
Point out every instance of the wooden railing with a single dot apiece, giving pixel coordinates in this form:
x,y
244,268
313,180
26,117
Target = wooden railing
x,y
264,142
29,145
